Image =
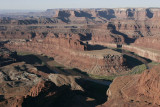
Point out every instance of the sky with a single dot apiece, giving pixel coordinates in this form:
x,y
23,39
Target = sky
x,y
51,4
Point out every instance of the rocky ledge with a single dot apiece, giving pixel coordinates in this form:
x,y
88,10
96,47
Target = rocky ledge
x,y
135,90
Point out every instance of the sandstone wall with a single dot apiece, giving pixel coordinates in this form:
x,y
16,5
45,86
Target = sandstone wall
x,y
149,42
147,53
135,90
71,53
119,13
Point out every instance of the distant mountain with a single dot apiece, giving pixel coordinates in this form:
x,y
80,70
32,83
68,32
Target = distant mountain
x,y
4,11
25,13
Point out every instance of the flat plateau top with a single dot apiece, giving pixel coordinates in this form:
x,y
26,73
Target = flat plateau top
x,y
100,53
103,52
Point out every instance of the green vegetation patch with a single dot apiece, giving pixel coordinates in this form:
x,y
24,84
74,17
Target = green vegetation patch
x,y
138,69
152,64
108,78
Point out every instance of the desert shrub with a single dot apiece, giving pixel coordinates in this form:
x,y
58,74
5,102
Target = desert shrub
x,y
138,69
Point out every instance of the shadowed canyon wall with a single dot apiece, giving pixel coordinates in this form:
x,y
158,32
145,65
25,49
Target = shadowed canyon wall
x,y
70,32
80,38
72,53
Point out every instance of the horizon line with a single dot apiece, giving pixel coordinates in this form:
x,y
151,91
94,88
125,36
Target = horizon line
x,y
80,8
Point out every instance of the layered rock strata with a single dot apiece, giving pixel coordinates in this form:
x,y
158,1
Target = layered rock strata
x,y
135,90
20,82
149,53
71,53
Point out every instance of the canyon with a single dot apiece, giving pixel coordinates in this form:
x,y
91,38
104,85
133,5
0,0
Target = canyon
x,y
72,47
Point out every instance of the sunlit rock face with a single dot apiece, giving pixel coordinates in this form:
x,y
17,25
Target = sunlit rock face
x,y
135,90
90,40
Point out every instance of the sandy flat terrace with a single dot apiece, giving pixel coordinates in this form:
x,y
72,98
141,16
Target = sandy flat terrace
x,y
99,53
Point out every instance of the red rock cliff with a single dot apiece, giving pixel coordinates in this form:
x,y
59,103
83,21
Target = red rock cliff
x,y
135,90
